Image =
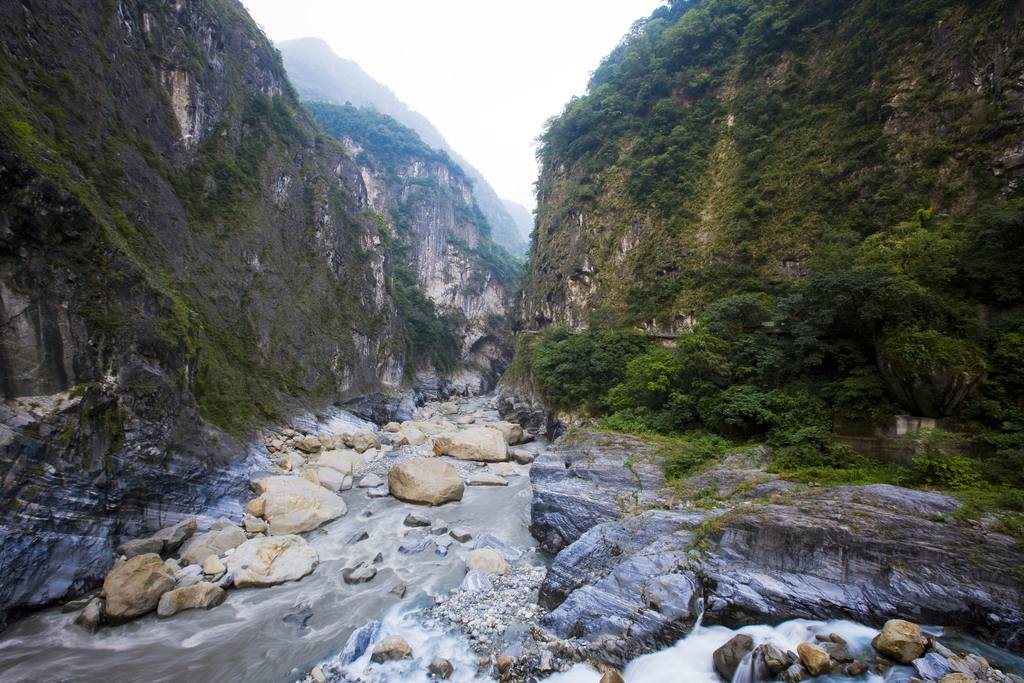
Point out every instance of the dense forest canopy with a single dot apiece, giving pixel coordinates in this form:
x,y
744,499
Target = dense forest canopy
x,y
820,195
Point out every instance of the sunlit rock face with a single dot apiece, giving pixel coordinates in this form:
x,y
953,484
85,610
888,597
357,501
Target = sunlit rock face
x,y
442,236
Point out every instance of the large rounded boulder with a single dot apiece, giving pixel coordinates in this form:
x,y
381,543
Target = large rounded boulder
x,y
295,505
900,640
134,588
271,561
481,444
425,481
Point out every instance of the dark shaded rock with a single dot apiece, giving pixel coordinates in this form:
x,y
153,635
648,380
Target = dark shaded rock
x,y
527,410
391,649
829,556
441,668
728,657
412,519
92,616
581,483
776,660
858,668
826,555
299,618
359,574
356,538
398,590
932,393
461,535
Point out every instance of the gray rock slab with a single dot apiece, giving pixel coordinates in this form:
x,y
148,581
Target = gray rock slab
x,y
510,553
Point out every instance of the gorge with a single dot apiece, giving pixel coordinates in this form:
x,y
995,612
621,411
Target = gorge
x,y
758,379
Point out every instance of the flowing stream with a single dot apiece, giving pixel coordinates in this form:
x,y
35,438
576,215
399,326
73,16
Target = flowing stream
x,y
281,633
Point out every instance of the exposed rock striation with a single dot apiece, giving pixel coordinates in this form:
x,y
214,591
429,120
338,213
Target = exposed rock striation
x,y
589,478
868,554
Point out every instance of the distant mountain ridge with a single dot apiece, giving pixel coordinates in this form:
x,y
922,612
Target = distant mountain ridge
x,y
320,75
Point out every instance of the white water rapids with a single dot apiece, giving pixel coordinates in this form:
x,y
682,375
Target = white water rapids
x,y
260,635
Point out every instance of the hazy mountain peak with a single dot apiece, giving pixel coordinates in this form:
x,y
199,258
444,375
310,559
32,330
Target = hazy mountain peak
x,y
320,75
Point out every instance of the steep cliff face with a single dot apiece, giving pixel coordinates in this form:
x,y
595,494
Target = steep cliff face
x,y
439,231
321,76
181,252
721,139
443,237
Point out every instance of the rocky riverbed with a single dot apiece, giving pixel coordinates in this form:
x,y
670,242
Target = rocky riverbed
x,y
446,581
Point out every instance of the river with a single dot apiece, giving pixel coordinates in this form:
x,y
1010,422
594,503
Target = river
x,y
281,633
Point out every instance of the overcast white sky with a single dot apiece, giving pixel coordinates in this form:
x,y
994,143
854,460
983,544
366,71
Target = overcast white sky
x,y
486,73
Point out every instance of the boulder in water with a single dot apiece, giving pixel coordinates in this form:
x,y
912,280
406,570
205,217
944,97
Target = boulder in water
x,y
91,618
900,640
857,669
412,519
511,432
480,444
777,660
932,666
391,649
523,457
814,659
426,481
134,588
361,573
441,668
358,642
461,535
370,481
486,479
294,505
199,596
728,657
271,561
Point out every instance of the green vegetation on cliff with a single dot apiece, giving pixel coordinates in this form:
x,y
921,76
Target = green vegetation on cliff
x,y
748,181
227,249
721,139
